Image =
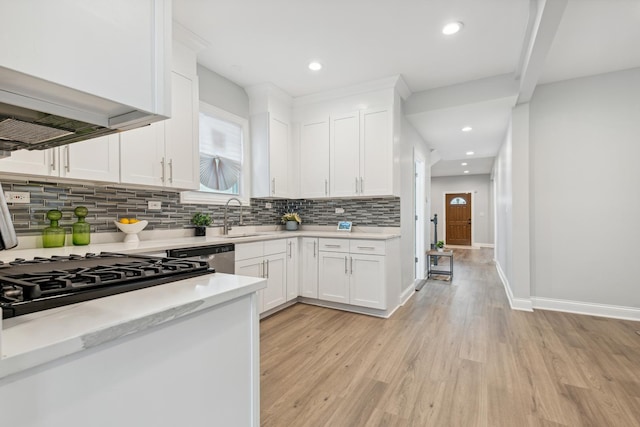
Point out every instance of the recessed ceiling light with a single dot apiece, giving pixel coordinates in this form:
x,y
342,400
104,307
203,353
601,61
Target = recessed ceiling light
x,y
466,171
470,153
315,66
467,129
464,163
452,28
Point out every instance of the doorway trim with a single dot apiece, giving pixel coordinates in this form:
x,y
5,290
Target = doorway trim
x,y
473,214
419,211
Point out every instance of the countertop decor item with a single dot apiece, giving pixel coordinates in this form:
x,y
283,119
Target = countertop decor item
x,y
291,221
53,236
131,230
81,229
201,220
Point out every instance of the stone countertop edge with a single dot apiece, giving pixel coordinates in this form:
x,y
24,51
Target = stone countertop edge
x,y
162,244
35,339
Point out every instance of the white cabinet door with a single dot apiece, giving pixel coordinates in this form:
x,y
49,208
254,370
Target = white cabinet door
x,y
309,268
293,269
253,267
276,291
333,277
366,286
376,152
345,154
279,157
314,159
180,136
37,162
142,155
96,159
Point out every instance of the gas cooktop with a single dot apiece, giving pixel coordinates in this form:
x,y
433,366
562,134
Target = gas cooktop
x,y
27,286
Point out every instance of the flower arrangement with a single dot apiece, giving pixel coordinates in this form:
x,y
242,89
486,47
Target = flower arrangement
x,y
291,216
440,244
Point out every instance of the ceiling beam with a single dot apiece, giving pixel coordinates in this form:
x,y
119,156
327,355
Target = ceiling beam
x,y
548,16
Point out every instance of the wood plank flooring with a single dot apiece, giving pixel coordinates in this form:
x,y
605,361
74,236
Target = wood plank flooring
x,y
454,355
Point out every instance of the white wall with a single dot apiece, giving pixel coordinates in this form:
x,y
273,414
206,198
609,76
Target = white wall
x,y
502,171
480,186
222,93
585,196
411,142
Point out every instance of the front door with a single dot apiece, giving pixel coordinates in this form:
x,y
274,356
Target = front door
x,y
458,212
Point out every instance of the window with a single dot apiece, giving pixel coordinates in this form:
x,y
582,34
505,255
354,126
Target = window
x,y
224,158
458,201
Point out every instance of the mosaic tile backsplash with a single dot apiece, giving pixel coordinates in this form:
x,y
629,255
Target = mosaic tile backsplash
x,y
108,203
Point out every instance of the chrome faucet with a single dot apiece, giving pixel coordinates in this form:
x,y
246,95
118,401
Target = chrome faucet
x,y
226,227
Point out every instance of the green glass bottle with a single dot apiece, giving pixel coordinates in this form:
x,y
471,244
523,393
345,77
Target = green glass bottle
x,y
81,229
53,236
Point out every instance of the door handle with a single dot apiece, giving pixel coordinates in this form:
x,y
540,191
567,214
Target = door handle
x,y
356,185
53,162
326,189
273,186
289,249
361,185
345,266
351,265
314,249
162,170
267,269
469,222
67,165
170,170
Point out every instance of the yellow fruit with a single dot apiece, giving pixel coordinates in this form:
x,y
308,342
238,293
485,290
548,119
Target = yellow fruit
x,y
124,221
133,220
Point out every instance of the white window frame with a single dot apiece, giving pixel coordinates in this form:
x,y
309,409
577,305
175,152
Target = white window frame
x,y
202,197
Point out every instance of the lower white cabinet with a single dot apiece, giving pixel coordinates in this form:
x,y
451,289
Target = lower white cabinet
x,y
267,260
293,269
352,272
309,267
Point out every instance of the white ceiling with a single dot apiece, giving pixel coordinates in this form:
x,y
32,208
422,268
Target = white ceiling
x,y
475,166
257,41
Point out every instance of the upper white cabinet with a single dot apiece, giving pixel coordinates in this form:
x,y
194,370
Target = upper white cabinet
x,y
95,160
345,154
376,152
271,146
314,158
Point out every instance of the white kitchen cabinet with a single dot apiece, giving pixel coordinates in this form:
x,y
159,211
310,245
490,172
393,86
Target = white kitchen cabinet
x,y
314,159
345,154
353,272
293,268
166,153
309,267
267,260
270,148
94,159
376,152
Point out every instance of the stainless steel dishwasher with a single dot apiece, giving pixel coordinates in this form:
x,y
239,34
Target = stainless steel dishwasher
x,y
221,257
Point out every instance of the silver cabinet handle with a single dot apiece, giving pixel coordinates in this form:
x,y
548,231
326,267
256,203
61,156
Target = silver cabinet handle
x,y
53,156
326,189
356,185
289,249
267,269
314,249
366,247
332,246
67,165
262,269
162,170
273,186
170,170
361,185
351,265
345,265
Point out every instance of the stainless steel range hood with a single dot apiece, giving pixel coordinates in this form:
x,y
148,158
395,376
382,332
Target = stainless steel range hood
x,y
36,114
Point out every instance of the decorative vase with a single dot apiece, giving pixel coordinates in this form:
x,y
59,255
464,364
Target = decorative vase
x,y
201,231
291,225
81,229
53,236
440,249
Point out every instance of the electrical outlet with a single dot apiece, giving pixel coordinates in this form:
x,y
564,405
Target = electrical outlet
x,y
267,205
155,206
339,210
17,197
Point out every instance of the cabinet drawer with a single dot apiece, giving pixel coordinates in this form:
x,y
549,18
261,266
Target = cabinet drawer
x,y
373,247
249,250
275,246
334,245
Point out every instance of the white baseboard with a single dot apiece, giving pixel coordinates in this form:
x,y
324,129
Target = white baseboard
x,y
484,245
523,304
589,308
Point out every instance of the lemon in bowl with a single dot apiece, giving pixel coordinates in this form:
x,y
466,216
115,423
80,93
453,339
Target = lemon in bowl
x,y
131,227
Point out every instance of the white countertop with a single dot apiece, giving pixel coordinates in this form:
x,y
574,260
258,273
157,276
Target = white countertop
x,y
33,339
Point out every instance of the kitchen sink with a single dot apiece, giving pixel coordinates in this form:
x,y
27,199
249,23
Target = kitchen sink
x,y
239,235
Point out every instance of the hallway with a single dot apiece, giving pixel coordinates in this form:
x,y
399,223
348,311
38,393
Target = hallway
x,y
454,355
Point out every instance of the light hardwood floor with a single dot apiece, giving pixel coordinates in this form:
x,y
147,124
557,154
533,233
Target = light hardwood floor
x,y
454,355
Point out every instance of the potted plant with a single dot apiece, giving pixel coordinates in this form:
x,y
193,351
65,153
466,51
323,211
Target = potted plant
x,y
201,220
291,220
440,245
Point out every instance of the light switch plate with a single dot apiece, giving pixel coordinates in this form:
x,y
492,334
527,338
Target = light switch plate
x,y
267,205
339,210
155,206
